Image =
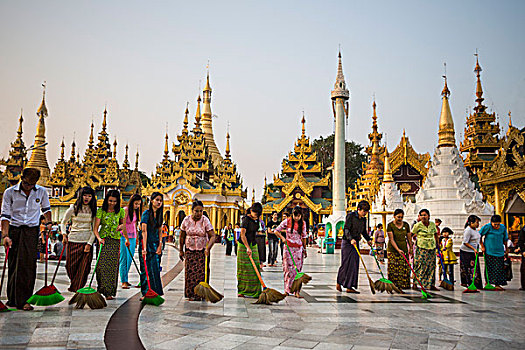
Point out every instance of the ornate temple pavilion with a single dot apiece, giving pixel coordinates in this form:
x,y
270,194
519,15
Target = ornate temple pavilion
x,y
198,170
408,167
302,182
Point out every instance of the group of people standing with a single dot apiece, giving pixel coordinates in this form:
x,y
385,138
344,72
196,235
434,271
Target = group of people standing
x,y
423,245
112,229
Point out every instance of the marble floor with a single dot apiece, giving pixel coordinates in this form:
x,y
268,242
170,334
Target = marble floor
x,y
324,319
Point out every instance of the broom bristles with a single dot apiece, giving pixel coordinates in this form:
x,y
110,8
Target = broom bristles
x,y
152,298
269,296
204,290
469,290
46,296
371,284
447,285
89,296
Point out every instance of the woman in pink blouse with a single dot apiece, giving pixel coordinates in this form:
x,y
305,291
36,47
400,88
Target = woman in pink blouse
x,y
295,229
196,239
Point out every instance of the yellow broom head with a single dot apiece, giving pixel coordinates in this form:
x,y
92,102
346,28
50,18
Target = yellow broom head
x,y
446,284
204,290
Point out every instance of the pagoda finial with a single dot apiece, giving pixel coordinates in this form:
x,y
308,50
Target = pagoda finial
x,y
207,87
137,160
265,181
374,116
166,148
387,174
73,151
479,89
42,110
446,123
104,121
253,196
20,122
303,121
186,112
91,143
198,115
340,89
62,148
228,146
125,164
115,149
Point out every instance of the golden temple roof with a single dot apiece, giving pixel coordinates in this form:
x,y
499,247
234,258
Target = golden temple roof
x,y
446,123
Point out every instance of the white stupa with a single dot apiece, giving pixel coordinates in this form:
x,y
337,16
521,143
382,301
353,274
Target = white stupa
x,y
447,192
388,197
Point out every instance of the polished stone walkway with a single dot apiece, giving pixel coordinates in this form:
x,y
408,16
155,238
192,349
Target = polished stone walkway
x,y
324,319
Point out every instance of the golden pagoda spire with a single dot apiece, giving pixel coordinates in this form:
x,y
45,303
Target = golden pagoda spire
x,y
265,181
20,121
137,160
446,123
303,121
91,142
166,148
253,196
479,90
375,138
73,151
198,115
115,149
38,158
186,112
207,122
62,148
125,164
228,146
104,120
387,174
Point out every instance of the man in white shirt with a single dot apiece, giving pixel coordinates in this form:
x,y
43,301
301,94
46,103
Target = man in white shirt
x,y
22,206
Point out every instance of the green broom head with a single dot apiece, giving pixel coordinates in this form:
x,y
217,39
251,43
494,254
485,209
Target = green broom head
x,y
46,296
425,295
152,298
489,286
471,289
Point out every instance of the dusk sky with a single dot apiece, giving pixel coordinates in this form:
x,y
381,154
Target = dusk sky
x,y
269,62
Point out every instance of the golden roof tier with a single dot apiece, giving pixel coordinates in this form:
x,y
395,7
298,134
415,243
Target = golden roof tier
x,y
481,141
99,170
408,167
38,158
192,172
301,182
17,159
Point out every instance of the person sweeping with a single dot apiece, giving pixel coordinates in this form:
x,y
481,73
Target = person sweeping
x,y
197,237
21,208
355,228
248,284
399,243
427,238
295,240
468,257
150,246
80,237
494,238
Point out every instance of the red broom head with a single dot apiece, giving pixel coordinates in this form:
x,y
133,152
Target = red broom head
x,y
3,307
47,290
150,294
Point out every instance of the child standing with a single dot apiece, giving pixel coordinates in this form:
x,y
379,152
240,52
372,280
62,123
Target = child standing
x,y
449,258
379,243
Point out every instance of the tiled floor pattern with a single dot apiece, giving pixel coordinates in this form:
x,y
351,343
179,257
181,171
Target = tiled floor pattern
x,y
324,319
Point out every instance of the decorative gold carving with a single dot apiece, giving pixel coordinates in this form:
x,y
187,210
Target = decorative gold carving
x,y
182,198
404,187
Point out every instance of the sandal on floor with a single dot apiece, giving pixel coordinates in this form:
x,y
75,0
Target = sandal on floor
x,y
27,307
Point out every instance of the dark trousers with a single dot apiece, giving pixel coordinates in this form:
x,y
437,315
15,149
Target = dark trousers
x,y
235,247
449,272
21,265
261,247
273,247
229,247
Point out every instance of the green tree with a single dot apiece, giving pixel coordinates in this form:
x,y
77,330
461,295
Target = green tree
x,y
354,157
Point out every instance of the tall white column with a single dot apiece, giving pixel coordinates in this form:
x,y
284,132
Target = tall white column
x,y
339,178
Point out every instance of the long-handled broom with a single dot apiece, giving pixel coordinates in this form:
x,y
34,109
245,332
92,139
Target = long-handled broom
x,y
89,295
151,297
370,282
48,295
3,307
445,283
488,286
268,295
204,290
424,293
383,284
135,263
472,287
301,278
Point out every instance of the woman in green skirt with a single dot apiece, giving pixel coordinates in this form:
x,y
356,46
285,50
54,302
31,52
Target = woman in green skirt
x,y
248,284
